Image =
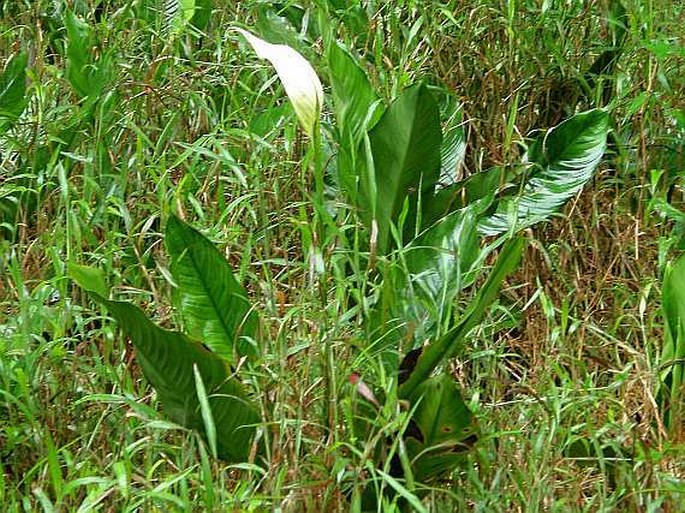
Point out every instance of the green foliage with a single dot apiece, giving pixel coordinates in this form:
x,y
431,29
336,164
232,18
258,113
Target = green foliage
x,y
187,122
353,94
448,428
178,13
440,261
406,178
355,103
562,162
202,14
195,385
451,343
88,71
215,307
405,144
672,361
13,98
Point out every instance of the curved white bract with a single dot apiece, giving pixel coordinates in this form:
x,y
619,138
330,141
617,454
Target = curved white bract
x,y
301,83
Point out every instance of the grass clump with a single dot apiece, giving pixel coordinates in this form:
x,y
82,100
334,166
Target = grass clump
x,y
123,114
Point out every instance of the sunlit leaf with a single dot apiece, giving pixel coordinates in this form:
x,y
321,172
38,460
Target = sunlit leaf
x,y
562,162
356,107
214,305
451,342
168,359
439,261
405,144
353,96
177,13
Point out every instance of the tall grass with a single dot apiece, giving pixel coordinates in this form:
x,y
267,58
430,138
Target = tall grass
x,y
563,374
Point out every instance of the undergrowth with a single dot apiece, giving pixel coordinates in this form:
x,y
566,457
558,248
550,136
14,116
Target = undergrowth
x,y
563,374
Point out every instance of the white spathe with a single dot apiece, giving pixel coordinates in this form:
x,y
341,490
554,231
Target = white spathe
x,y
300,81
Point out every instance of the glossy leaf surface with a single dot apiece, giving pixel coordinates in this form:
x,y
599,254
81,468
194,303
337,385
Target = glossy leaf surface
x,y
439,259
562,162
355,104
353,95
214,305
451,342
406,146
453,149
168,359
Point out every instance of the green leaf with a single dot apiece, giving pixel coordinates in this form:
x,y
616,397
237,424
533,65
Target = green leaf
x,y
353,95
90,278
406,157
168,359
356,106
177,13
447,427
206,411
453,147
462,193
438,261
13,99
202,14
562,163
214,305
451,342
672,361
87,74
411,498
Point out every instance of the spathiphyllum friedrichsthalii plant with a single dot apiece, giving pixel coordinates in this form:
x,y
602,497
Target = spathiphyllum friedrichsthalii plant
x,y
425,231
192,372
423,236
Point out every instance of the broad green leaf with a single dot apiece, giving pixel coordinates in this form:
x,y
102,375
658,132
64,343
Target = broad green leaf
x,y
300,81
13,99
168,359
562,163
356,105
439,260
90,278
673,353
447,427
463,193
405,144
214,305
79,45
277,27
87,74
353,96
177,13
202,13
451,342
441,413
453,147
